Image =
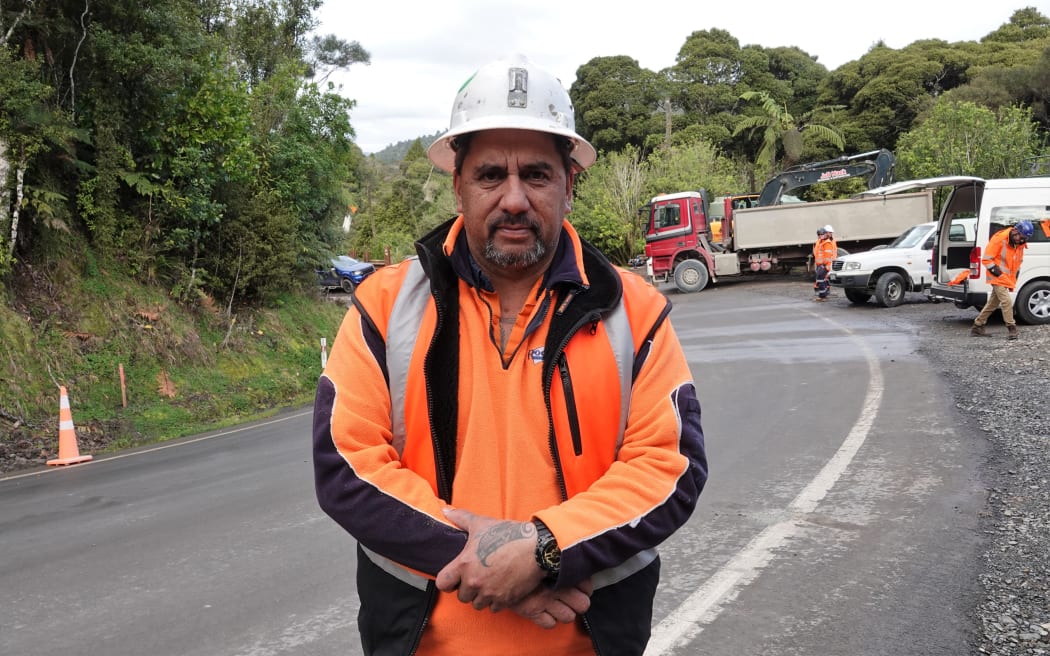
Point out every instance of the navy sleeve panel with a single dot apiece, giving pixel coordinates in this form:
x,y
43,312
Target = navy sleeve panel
x,y
373,339
377,519
643,352
613,547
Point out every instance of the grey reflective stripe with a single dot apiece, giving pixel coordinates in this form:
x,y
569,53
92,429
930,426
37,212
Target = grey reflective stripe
x,y
395,570
632,565
1002,258
401,334
618,328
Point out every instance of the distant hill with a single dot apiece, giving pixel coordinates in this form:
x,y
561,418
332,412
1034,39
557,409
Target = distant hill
x,y
394,153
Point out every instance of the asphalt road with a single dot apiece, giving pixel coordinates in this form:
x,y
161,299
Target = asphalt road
x,y
840,517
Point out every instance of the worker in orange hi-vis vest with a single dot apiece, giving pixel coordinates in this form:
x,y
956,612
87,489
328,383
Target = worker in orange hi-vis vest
x,y
824,253
1002,261
507,424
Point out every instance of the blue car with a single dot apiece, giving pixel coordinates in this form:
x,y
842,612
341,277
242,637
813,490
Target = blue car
x,y
345,273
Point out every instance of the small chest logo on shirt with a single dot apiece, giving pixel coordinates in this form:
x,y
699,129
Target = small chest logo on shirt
x,y
536,355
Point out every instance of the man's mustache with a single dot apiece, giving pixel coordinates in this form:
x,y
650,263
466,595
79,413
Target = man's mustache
x,y
514,220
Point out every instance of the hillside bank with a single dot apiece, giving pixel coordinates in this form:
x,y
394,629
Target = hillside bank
x,y
187,367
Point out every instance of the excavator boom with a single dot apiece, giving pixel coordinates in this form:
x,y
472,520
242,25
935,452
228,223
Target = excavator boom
x,y
876,165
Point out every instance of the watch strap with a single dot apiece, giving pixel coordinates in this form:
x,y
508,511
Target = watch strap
x,y
548,555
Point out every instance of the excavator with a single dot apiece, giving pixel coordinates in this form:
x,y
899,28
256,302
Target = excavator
x,y
876,165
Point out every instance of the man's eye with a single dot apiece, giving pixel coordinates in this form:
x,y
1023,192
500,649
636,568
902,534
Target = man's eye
x,y
536,176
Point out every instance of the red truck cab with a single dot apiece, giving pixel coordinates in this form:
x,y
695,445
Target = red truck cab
x,y
678,230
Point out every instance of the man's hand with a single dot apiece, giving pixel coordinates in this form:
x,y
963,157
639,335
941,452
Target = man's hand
x,y
995,270
497,567
547,607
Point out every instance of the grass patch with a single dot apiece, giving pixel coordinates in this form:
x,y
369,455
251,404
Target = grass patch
x,y
186,369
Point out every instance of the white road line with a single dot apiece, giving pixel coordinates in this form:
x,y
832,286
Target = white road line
x,y
170,445
683,624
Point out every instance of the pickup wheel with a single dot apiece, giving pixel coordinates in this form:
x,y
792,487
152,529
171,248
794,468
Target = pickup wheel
x,y
347,285
691,276
856,297
1033,302
889,290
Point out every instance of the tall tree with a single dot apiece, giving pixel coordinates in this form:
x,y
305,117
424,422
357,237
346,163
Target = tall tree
x,y
706,82
780,129
202,142
605,208
617,103
961,138
1025,25
33,127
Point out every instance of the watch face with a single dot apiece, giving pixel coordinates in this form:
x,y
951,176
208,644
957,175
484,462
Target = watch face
x,y
548,555
551,556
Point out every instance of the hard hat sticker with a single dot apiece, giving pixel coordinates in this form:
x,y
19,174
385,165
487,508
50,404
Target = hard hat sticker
x,y
517,87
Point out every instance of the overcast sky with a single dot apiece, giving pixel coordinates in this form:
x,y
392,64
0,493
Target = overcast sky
x,y
423,50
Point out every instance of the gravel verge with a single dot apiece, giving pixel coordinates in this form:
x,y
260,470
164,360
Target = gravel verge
x,y
1002,388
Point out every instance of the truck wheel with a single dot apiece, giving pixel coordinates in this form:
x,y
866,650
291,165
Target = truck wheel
x,y
856,297
690,276
347,285
1033,303
889,290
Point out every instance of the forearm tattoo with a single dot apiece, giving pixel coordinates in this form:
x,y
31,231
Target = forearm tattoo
x,y
500,534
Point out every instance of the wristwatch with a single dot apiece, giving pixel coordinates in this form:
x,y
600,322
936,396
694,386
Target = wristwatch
x,y
548,555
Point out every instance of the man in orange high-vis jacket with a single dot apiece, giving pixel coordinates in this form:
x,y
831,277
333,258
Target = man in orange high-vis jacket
x,y
824,253
507,423
1002,261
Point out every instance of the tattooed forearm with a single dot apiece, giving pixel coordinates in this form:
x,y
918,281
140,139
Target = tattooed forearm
x,y
500,534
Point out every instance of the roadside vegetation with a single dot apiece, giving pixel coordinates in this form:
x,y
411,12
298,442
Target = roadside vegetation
x,y
171,175
139,367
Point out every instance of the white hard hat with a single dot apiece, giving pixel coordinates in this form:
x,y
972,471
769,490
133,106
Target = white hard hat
x,y
511,93
828,228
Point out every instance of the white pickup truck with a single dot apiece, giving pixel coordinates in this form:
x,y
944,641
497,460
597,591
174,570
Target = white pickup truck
x,y
888,273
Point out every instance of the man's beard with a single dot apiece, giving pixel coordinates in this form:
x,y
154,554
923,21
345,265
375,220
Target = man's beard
x,y
518,260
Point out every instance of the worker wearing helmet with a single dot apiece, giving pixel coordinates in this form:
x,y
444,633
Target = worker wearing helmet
x,y
824,253
507,424
1002,260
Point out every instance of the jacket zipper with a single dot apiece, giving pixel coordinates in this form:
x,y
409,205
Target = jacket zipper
x,y
444,482
574,423
431,598
570,404
559,354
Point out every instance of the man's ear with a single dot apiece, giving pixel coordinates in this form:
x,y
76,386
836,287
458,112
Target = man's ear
x,y
455,190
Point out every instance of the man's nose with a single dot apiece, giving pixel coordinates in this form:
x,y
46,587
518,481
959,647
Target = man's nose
x,y
515,195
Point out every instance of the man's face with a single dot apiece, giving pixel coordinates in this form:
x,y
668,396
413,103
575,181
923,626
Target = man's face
x,y
1016,237
514,193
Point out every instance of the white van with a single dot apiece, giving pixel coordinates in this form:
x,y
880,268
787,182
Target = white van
x,y
997,204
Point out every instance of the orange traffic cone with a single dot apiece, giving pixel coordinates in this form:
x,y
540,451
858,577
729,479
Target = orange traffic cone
x,y
68,452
